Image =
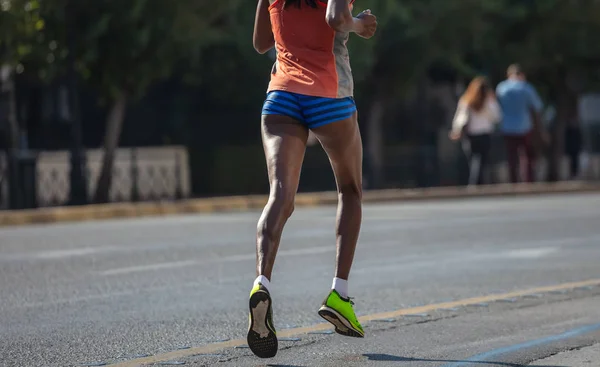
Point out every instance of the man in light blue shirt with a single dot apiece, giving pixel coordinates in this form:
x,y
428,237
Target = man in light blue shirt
x,y
521,110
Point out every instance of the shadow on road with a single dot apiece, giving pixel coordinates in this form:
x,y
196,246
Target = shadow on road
x,y
391,358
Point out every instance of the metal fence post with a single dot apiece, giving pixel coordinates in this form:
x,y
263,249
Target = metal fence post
x,y
14,185
135,192
178,181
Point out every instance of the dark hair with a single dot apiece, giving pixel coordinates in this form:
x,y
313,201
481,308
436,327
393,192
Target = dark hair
x,y
298,3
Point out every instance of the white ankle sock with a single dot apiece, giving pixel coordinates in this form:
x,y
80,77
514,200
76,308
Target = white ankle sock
x,y
262,280
340,286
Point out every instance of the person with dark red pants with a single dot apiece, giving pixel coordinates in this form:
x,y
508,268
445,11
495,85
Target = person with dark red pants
x,y
521,113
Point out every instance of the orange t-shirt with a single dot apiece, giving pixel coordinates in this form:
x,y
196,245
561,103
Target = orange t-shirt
x,y
312,58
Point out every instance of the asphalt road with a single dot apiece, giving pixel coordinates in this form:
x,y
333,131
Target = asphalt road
x,y
114,291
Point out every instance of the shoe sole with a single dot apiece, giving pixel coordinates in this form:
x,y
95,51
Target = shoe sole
x,y
342,325
261,339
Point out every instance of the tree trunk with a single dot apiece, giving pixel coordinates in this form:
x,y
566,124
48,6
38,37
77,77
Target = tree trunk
x,y
566,110
114,124
78,194
556,147
375,143
7,86
568,86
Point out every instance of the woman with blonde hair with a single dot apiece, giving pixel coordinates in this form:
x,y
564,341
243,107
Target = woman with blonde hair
x,y
477,114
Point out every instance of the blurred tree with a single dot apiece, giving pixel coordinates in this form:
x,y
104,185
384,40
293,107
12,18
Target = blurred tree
x,y
412,36
121,48
126,46
22,42
555,41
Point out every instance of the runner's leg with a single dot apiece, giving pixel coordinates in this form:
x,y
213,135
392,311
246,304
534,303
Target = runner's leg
x,y
342,142
284,143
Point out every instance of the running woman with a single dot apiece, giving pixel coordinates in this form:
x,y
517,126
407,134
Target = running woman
x,y
311,89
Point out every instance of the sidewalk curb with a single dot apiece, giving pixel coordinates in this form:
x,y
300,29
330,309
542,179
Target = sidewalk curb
x,y
256,202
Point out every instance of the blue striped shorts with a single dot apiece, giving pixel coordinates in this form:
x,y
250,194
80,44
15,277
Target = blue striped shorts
x,y
309,110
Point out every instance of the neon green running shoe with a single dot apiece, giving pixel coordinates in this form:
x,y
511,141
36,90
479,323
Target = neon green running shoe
x,y
262,338
338,311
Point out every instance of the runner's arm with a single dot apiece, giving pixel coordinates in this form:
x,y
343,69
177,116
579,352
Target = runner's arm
x,y
263,39
340,18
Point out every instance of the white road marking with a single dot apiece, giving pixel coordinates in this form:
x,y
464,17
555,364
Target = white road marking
x,y
66,253
455,258
377,223
224,259
536,252
150,267
531,253
59,254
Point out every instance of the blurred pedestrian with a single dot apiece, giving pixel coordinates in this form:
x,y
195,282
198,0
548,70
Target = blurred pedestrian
x,y
476,115
521,122
573,145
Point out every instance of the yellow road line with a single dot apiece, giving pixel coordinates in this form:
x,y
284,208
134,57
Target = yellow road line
x,y
212,348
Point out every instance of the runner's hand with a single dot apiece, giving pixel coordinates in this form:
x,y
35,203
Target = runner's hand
x,y
368,24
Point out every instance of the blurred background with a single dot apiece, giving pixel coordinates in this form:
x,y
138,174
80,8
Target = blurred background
x,y
136,100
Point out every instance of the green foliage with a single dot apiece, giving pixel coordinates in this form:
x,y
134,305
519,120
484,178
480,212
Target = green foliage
x,y
27,39
126,46
119,46
414,34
